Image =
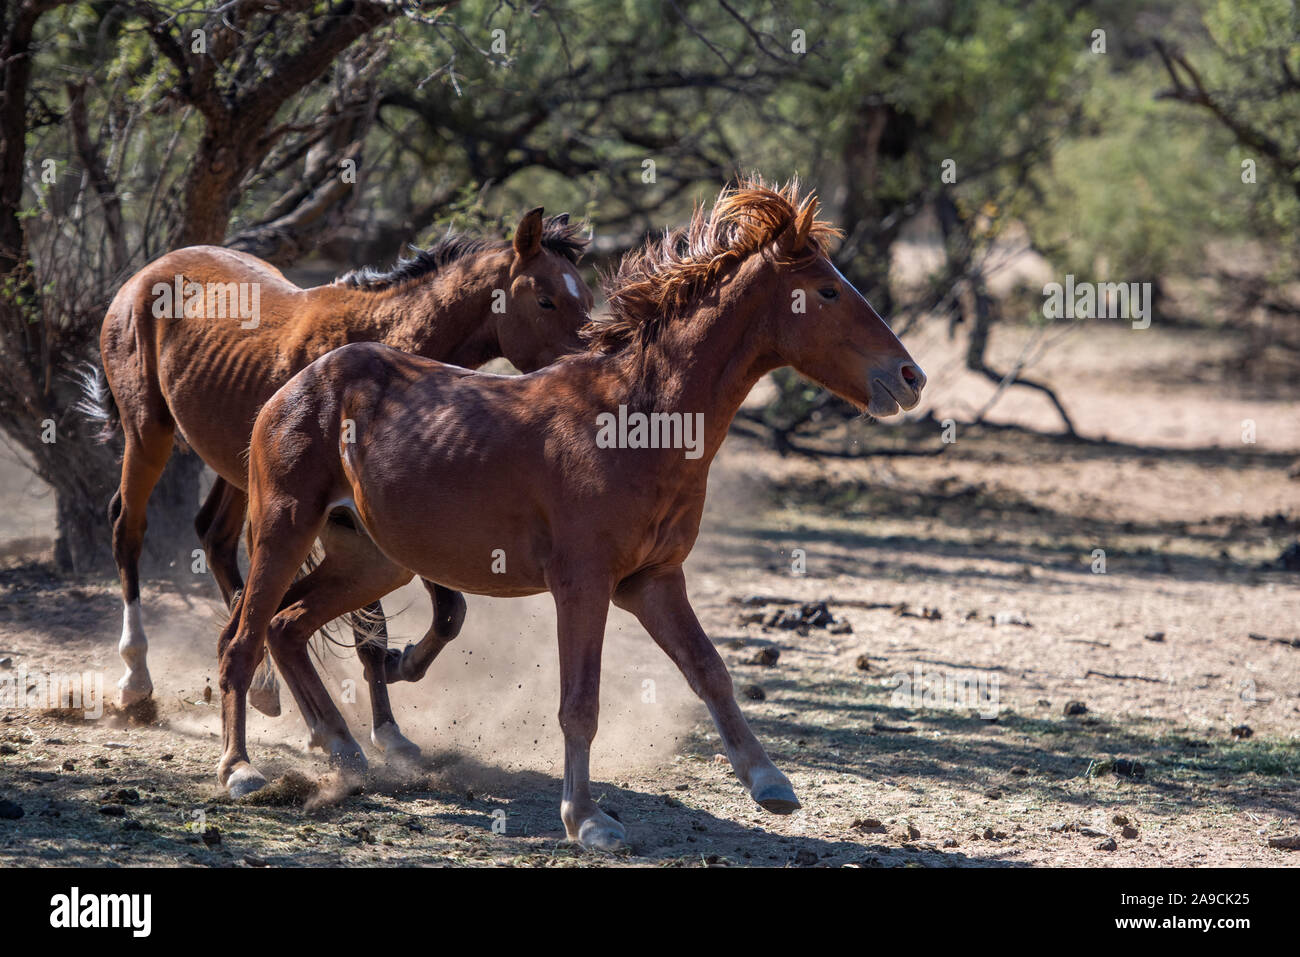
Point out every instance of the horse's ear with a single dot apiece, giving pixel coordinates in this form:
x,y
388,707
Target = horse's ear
x,y
794,238
562,219
528,234
804,222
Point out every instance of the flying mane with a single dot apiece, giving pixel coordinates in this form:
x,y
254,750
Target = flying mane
x,y
653,285
558,236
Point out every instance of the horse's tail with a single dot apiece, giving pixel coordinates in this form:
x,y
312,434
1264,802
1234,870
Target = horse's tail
x,y
360,622
97,404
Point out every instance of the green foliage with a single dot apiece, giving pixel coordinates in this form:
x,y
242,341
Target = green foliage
x,y
468,115
1143,193
1152,178
1253,68
492,108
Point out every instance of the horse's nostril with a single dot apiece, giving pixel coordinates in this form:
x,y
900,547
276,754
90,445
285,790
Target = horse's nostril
x,y
909,375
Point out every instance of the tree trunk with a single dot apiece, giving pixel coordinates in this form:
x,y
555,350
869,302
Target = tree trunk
x,y
84,542
83,545
170,541
40,350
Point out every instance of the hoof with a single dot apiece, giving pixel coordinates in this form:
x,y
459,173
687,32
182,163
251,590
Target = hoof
x,y
265,700
598,831
402,666
602,833
393,665
347,757
244,780
264,692
779,803
772,791
135,687
388,739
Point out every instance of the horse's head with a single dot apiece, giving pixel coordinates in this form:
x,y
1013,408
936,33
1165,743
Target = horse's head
x,y
828,331
548,302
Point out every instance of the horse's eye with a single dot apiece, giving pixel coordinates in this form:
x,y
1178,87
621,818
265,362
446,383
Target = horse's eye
x,y
545,302
829,293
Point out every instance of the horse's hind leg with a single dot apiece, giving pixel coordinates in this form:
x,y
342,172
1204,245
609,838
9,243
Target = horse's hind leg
x,y
349,577
359,568
659,602
280,541
372,649
219,524
148,446
413,662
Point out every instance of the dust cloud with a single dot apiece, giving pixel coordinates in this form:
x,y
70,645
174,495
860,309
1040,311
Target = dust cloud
x,y
494,691
492,695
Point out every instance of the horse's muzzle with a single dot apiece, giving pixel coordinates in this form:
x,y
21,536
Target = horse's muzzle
x,y
895,387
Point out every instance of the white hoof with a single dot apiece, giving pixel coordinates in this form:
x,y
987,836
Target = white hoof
x,y
597,831
135,686
600,832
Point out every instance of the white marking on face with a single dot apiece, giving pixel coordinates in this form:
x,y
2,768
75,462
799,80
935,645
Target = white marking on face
x,y
571,284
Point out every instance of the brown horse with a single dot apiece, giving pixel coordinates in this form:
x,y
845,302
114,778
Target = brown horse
x,y
585,479
198,340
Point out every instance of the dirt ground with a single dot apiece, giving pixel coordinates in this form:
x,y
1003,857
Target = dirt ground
x,y
1145,714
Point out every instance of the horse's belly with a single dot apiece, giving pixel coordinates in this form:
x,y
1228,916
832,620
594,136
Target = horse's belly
x,y
470,549
223,453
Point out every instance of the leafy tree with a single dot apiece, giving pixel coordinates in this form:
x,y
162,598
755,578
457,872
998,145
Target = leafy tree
x,y
102,106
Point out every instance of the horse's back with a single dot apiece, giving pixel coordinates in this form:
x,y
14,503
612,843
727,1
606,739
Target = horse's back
x,y
194,321
131,315
374,363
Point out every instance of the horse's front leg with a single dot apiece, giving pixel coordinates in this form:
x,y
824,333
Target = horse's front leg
x,y
581,610
659,602
280,539
413,662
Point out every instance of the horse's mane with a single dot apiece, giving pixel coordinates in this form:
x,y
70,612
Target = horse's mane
x,y
653,285
558,236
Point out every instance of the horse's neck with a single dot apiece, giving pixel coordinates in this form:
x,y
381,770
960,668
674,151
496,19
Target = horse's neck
x,y
439,318
706,363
